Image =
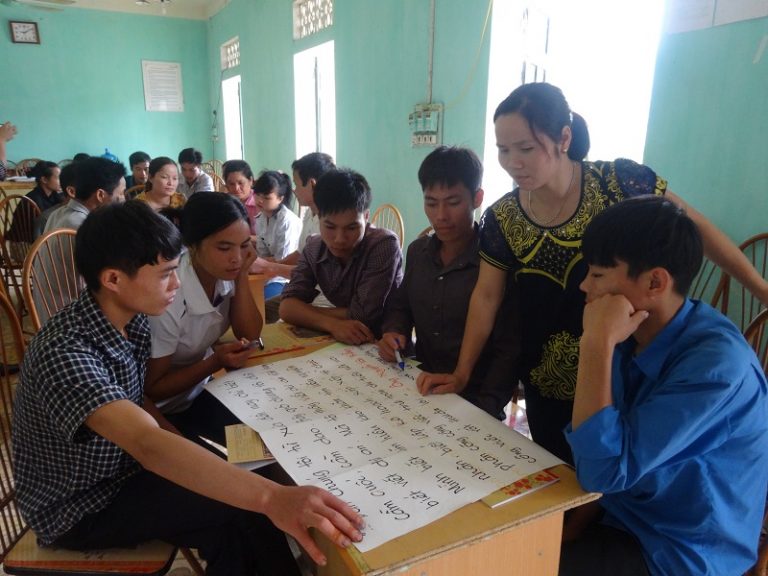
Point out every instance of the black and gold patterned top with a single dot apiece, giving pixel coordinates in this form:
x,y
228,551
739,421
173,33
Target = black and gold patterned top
x,y
547,264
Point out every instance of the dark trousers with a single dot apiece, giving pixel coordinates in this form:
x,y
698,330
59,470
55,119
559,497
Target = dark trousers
x,y
232,541
602,551
206,417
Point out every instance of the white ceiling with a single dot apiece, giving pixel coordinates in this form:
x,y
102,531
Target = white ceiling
x,y
192,9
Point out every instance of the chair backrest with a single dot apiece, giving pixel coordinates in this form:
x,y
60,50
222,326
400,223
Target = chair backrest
x,y
389,217
12,526
212,167
757,336
743,305
218,183
134,191
426,232
50,278
711,285
22,166
17,227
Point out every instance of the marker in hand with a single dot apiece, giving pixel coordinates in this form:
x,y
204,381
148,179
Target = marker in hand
x,y
399,359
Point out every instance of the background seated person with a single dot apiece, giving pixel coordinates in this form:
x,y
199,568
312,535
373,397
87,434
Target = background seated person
x,y
440,273
670,418
278,227
97,181
7,132
139,162
193,178
213,296
160,191
238,178
355,265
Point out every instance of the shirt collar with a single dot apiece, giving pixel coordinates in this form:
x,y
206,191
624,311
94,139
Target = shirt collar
x,y
470,256
195,299
652,360
77,206
103,330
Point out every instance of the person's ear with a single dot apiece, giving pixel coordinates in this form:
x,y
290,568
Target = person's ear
x,y
659,281
111,279
312,183
565,139
366,214
102,196
478,201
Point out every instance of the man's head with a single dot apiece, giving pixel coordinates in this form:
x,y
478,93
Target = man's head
x,y
99,181
343,199
130,251
139,162
643,248
307,170
450,178
67,180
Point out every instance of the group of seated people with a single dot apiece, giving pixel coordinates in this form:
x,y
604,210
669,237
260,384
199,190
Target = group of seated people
x,y
666,402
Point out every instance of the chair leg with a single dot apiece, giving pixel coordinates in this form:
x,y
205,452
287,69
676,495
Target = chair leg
x,y
193,562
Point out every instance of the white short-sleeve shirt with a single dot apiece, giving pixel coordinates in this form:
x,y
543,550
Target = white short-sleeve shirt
x,y
189,327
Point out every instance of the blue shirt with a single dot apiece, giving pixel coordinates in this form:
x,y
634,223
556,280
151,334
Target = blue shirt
x,y
681,454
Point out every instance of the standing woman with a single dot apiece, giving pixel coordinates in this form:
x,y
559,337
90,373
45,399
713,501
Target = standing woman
x,y
279,229
160,191
193,178
533,236
238,178
213,296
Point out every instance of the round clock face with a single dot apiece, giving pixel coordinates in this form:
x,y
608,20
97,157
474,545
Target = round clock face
x,y
24,32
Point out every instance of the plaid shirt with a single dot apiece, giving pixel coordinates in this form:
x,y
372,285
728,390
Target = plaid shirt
x,y
77,363
362,285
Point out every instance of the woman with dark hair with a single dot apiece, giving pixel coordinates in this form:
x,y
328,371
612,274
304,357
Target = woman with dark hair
x,y
160,189
193,178
47,186
535,233
213,296
278,227
238,178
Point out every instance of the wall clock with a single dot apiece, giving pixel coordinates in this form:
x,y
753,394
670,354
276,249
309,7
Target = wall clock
x,y
24,32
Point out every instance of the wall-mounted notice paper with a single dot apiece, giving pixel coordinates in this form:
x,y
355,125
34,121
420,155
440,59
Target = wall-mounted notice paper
x,y
346,421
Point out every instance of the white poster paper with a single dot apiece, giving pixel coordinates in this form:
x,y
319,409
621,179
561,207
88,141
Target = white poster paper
x,y
346,421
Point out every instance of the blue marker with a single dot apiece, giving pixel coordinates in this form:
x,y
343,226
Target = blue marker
x,y
399,360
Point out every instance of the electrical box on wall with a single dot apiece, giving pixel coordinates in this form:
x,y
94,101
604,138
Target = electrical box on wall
x,y
424,123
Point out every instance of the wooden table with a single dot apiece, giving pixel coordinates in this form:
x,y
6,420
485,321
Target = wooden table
x,y
521,537
13,187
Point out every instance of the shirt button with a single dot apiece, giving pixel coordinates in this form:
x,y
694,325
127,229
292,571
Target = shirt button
x,y
439,277
435,333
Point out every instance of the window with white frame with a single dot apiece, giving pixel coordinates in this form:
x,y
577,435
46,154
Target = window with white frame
x,y
230,53
310,16
315,100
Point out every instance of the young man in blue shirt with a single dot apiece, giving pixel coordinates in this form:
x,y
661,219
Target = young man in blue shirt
x,y
671,407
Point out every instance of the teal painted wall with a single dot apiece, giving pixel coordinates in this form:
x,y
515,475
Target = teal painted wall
x,y
381,51
82,90
708,123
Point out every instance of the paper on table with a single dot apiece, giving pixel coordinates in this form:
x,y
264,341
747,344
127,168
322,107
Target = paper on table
x,y
245,445
344,420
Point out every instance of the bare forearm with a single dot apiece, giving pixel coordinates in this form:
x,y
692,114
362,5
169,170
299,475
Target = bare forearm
x,y
480,319
294,311
291,259
593,383
244,314
179,380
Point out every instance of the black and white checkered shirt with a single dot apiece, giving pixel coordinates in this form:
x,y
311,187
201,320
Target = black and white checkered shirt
x,y
77,363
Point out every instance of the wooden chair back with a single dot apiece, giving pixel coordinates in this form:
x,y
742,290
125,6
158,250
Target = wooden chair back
x,y
757,336
134,191
218,183
389,217
50,279
743,305
711,285
17,233
12,526
23,166
212,167
426,232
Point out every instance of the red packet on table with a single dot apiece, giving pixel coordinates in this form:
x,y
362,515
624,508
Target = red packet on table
x,y
520,488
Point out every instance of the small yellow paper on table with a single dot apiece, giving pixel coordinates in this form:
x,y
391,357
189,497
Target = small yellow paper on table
x,y
245,445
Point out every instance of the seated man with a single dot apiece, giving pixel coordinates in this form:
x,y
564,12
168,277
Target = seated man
x,y
94,470
307,170
97,181
670,418
440,273
139,162
354,264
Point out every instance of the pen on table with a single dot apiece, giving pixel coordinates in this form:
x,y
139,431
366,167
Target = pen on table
x,y
399,359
